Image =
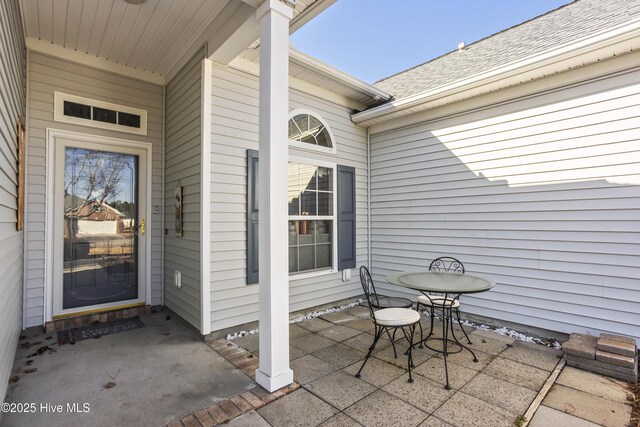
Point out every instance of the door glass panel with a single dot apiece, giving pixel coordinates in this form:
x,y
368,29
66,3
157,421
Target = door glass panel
x,y
100,219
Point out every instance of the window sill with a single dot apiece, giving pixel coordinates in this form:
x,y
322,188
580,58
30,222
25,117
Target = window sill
x,y
300,276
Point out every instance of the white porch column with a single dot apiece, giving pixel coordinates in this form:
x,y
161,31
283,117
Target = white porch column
x,y
274,372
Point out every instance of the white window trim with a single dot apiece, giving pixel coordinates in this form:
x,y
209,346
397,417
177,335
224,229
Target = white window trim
x,y
53,136
312,147
59,116
334,219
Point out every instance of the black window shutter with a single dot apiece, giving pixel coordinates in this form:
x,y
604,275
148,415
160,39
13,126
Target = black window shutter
x,y
252,217
346,217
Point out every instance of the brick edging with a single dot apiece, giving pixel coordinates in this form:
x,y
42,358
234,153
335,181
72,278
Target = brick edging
x,y
226,410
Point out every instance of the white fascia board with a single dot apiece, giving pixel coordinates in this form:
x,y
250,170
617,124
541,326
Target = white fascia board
x,y
614,41
253,68
51,49
316,66
309,13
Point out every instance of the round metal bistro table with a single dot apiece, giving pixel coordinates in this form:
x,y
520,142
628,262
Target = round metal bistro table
x,y
449,286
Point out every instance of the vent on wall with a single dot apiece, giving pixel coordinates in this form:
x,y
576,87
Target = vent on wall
x,y
90,112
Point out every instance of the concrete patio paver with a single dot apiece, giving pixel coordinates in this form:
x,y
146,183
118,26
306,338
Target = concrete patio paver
x,y
463,410
381,407
423,393
595,384
298,409
340,389
500,393
434,370
339,333
339,317
538,358
376,372
314,325
309,368
250,419
464,358
517,373
546,417
310,343
363,341
340,355
340,420
434,422
584,405
386,354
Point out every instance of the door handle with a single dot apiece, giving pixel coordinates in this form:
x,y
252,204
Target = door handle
x,y
140,228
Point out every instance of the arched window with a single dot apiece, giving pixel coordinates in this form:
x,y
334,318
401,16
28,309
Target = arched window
x,y
310,132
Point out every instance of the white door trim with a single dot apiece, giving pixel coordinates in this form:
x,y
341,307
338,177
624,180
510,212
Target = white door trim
x,y
51,138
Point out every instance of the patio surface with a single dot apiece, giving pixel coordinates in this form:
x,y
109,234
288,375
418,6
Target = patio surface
x,y
160,371
327,351
165,375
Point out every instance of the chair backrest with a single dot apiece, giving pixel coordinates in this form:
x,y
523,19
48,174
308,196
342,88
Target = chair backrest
x,y
448,264
369,291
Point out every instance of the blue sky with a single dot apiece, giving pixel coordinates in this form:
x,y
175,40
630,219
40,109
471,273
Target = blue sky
x,y
373,39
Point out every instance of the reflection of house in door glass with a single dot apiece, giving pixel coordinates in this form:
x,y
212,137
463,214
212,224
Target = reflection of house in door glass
x,y
100,242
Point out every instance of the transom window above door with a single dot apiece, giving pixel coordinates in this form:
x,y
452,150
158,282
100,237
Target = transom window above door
x,y
310,132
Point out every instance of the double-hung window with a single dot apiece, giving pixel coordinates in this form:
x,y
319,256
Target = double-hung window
x,y
311,200
321,203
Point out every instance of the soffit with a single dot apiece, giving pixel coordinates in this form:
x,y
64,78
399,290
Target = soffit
x,y
151,37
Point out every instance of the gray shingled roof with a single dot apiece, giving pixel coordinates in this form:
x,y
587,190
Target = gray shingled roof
x,y
570,22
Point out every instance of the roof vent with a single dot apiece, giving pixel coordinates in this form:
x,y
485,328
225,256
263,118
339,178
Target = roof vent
x,y
460,46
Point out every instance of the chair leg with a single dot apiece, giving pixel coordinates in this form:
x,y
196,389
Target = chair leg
x,y
412,330
418,305
462,327
393,342
379,333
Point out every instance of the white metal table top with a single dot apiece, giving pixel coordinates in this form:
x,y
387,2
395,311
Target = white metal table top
x,y
442,282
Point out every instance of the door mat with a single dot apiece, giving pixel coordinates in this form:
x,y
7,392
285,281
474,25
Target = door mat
x,y
70,336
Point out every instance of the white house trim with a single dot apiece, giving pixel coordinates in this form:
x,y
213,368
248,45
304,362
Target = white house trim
x,y
92,61
59,116
606,44
51,136
311,147
205,194
274,371
253,68
325,70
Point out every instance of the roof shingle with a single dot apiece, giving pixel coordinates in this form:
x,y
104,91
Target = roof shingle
x,y
570,22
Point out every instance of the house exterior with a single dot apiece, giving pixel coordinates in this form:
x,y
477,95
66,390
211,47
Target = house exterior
x,y
257,179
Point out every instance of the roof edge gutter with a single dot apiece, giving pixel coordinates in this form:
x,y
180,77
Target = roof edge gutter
x,y
535,66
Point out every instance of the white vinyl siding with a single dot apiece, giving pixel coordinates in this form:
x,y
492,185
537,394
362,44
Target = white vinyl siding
x,y
12,107
234,130
540,194
182,163
47,75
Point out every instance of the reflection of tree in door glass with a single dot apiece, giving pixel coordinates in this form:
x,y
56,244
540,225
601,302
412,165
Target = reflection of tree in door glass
x,y
100,241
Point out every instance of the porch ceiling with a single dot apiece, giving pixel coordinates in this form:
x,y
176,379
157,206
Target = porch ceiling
x,y
151,36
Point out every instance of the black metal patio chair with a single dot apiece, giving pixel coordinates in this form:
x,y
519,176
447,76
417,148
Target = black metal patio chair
x,y
385,319
435,300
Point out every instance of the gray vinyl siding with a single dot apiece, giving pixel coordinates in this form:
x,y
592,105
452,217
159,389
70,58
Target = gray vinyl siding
x,y
182,163
540,194
47,75
234,130
12,107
